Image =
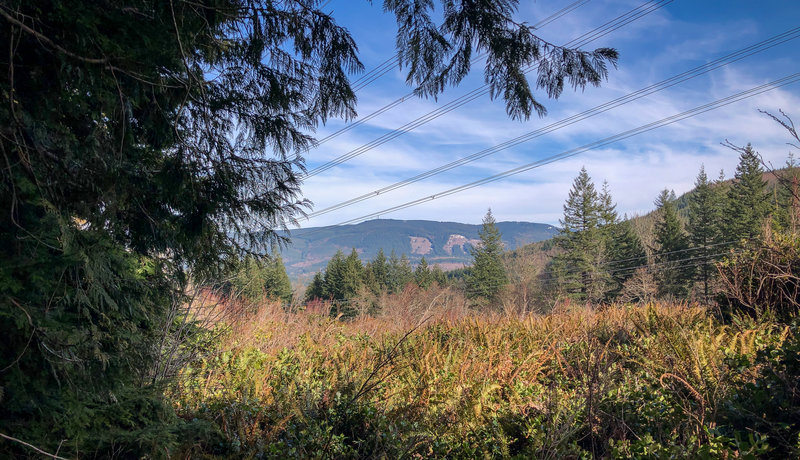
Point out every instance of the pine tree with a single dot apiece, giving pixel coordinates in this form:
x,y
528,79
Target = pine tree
x,y
487,276
704,230
380,271
439,277
316,290
787,200
671,244
399,273
353,275
334,279
578,268
607,211
747,201
423,275
277,284
625,252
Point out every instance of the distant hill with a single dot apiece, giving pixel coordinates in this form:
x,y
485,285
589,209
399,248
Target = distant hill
x,y
444,243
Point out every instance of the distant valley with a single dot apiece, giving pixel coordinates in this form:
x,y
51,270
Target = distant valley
x,y
444,243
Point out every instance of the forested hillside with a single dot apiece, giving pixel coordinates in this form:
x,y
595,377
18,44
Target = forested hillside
x,y
445,244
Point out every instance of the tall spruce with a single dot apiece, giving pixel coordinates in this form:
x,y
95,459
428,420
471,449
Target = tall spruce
x,y
316,289
380,271
704,228
277,285
260,278
582,241
625,252
673,274
334,277
487,275
399,273
787,199
423,275
747,201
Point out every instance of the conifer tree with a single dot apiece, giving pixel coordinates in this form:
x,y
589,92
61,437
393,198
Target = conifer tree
x,y
607,209
353,275
487,276
671,243
625,252
747,202
277,284
704,227
380,271
438,275
316,289
334,277
399,273
423,275
581,239
787,200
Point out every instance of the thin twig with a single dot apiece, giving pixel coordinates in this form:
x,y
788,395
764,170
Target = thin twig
x,y
31,446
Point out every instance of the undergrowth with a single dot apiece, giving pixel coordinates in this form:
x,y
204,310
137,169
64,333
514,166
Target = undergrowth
x,y
649,381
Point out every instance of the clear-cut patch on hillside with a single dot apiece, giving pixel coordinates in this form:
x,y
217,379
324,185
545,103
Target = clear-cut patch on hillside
x,y
420,245
460,241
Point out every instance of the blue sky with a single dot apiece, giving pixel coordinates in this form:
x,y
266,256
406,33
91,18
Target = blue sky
x,y
680,36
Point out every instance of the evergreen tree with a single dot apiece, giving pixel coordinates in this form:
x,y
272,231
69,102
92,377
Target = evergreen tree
x,y
343,276
671,244
607,209
353,275
487,276
380,271
704,231
787,200
277,284
399,273
578,269
335,277
423,275
439,276
747,202
625,252
316,290
260,278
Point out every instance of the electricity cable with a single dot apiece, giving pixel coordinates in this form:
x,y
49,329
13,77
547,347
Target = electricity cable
x,y
656,87
789,79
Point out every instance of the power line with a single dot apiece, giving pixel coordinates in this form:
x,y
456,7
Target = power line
x,y
610,26
656,87
593,145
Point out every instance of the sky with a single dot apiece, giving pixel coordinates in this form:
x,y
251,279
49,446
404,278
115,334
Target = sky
x,y
681,35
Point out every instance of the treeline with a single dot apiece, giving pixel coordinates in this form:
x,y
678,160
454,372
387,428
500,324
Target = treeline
x,y
347,277
599,257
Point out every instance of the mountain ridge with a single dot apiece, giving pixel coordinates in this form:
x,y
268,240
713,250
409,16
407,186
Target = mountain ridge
x,y
444,243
